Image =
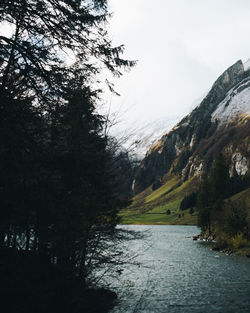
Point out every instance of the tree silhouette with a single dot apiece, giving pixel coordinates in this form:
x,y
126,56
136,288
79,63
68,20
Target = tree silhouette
x,y
44,34
58,198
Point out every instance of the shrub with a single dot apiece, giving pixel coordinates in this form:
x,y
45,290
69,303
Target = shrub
x,y
238,241
191,211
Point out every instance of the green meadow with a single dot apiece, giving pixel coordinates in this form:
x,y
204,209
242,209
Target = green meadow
x,y
151,207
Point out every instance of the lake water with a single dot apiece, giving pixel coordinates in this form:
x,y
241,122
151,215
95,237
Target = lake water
x,y
179,275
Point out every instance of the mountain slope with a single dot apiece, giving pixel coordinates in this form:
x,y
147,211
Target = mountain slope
x,y
162,205
221,123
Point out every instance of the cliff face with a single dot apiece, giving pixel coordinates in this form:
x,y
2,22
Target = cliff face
x,y
220,123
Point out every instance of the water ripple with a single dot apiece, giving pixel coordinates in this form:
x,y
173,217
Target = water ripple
x,y
179,275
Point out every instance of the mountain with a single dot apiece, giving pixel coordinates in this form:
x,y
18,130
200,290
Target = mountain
x,y
219,124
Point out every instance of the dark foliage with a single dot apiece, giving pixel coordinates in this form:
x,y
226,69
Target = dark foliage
x,y
236,219
189,201
239,183
59,202
213,210
56,189
191,211
45,32
29,283
157,184
212,192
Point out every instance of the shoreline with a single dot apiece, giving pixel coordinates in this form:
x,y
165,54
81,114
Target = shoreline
x,y
217,246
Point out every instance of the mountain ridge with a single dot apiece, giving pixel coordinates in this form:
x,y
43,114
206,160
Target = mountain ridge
x,y
220,123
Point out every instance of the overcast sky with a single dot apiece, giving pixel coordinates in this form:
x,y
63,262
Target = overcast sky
x,y
182,46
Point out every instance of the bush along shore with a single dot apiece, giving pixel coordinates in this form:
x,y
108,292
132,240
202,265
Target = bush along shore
x,y
237,245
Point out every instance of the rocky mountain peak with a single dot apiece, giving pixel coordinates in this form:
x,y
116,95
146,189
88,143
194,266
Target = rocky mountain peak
x,y
198,137
236,102
231,77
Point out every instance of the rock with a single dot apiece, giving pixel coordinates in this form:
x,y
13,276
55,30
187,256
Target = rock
x,y
240,163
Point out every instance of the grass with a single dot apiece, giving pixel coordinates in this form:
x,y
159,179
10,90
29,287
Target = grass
x,y
146,219
158,219
164,189
152,209
187,219
173,206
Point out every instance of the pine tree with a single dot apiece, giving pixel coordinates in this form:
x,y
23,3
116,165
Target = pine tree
x,y
219,180
213,191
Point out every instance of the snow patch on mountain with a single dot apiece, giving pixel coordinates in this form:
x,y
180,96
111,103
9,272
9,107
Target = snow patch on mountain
x,y
232,106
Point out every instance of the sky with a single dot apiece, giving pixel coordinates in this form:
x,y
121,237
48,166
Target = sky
x,y
182,46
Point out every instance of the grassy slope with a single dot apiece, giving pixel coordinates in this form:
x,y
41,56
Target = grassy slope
x,y
150,208
164,189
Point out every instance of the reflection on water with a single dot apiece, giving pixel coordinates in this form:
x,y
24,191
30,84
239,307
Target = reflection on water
x,y
179,275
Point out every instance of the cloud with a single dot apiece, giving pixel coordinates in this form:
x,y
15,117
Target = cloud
x,y
182,47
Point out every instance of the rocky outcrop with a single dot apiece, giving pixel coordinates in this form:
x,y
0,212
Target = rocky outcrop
x,y
221,119
239,164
